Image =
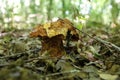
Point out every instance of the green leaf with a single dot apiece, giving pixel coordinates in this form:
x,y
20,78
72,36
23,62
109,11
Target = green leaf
x,y
79,26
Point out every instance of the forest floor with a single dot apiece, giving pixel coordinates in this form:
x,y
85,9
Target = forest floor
x,y
95,56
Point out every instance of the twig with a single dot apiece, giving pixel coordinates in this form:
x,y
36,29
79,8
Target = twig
x,y
109,44
106,43
3,65
45,58
35,69
40,58
13,55
65,72
17,54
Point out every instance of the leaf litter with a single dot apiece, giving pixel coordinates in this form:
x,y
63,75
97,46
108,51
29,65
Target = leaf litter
x,y
86,59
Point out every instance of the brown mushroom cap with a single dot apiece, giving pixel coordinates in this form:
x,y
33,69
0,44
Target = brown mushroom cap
x,y
52,34
51,29
38,31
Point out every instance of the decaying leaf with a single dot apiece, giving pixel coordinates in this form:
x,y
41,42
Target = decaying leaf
x,y
52,35
108,76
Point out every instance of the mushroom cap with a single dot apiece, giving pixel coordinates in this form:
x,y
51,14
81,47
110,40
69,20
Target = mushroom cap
x,y
38,31
51,29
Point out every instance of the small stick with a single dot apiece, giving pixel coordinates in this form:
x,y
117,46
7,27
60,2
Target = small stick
x,y
106,43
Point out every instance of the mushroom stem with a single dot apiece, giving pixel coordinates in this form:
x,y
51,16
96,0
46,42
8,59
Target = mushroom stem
x,y
53,46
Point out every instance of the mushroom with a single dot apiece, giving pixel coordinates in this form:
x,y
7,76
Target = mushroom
x,y
52,35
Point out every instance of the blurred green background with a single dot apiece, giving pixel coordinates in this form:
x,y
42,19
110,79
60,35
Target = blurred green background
x,y
22,14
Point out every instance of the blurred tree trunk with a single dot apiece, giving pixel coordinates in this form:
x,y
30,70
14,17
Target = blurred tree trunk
x,y
33,6
23,10
41,6
63,8
9,14
49,9
115,11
